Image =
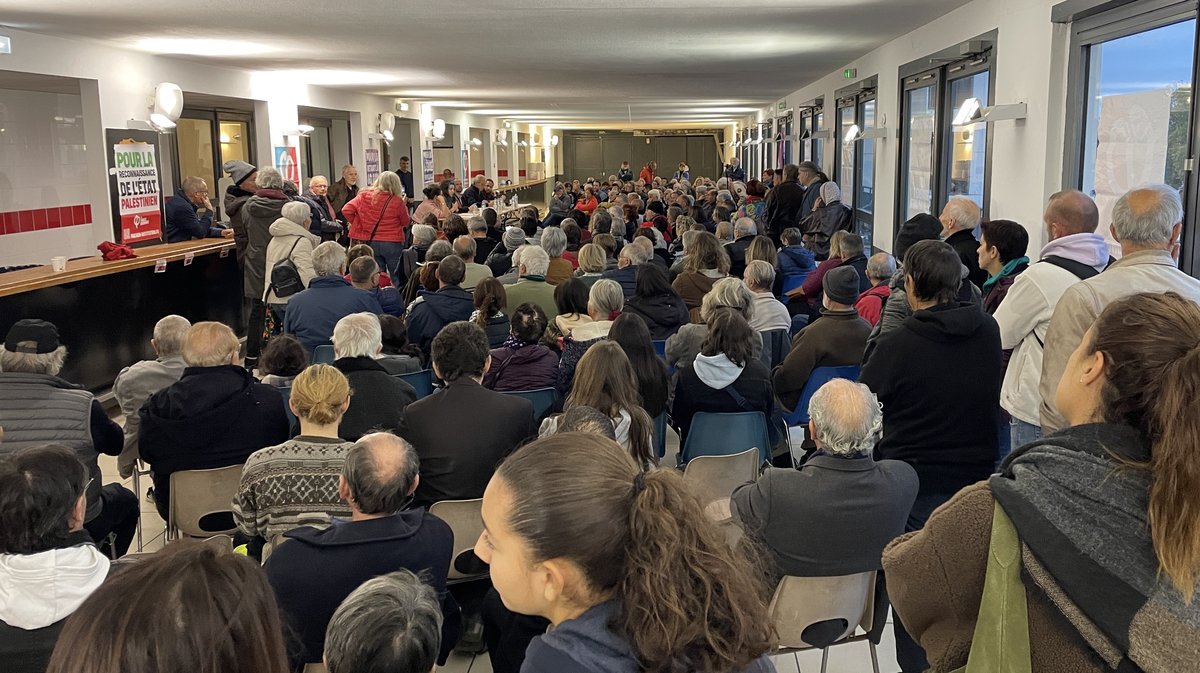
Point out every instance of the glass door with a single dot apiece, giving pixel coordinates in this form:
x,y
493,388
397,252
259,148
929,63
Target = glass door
x,y
864,179
968,147
918,147
844,171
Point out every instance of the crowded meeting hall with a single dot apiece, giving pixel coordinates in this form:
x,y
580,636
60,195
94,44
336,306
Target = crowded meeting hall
x,y
842,337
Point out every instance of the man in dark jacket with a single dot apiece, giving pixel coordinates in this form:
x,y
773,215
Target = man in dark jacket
x,y
379,398
473,195
463,432
783,203
259,213
629,260
734,170
190,214
314,570
853,256
434,310
938,377
236,195
344,190
812,178
216,415
959,220
38,408
364,275
48,562
500,259
312,313
744,232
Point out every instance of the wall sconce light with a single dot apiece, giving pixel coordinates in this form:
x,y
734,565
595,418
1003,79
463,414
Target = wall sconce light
x,y
165,106
554,140
972,112
387,121
476,142
439,129
852,134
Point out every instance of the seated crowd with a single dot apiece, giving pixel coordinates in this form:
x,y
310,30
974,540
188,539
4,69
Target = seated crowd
x,y
960,398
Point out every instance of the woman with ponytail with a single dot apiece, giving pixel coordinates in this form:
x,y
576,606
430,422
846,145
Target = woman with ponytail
x,y
623,563
1107,512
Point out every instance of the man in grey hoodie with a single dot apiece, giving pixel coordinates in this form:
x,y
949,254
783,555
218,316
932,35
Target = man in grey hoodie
x,y
48,562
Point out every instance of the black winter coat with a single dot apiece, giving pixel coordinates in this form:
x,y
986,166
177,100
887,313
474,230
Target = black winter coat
x,y
664,314
378,401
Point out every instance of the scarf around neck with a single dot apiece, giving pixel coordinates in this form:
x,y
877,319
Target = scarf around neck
x,y
1006,270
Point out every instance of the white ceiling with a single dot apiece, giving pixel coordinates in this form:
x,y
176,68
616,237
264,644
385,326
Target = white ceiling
x,y
557,62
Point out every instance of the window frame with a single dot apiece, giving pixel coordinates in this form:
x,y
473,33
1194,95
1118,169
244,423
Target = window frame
x,y
215,115
854,98
915,82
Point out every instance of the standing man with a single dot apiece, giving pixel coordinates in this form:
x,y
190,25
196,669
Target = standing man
x,y
811,177
244,185
734,170
626,173
406,178
318,191
647,174
342,191
959,219
783,203
190,214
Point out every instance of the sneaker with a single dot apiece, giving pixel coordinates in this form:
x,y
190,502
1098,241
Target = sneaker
x,y
150,496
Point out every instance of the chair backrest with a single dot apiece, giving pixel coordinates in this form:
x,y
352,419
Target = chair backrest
x,y
465,519
196,494
660,348
714,478
776,344
819,377
726,434
286,393
315,668
541,398
660,434
801,602
421,381
799,322
323,355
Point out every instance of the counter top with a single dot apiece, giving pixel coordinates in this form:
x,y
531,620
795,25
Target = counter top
x,y
522,185
16,282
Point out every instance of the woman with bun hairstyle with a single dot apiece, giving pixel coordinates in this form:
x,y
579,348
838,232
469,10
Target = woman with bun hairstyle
x,y
623,563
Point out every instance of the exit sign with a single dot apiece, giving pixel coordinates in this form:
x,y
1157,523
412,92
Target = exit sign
x,y
782,105
850,73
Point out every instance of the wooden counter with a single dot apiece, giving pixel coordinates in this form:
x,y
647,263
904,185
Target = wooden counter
x,y
39,277
522,185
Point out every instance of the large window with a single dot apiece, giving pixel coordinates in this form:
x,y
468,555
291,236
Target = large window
x,y
809,147
919,147
785,151
968,146
844,173
854,171
205,139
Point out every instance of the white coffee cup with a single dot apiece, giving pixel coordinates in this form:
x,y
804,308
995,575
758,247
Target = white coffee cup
x,y
59,264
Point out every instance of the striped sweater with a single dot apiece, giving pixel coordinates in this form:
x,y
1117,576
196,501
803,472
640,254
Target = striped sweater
x,y
289,485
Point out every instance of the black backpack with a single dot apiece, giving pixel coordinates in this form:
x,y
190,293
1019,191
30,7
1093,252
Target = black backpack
x,y
285,277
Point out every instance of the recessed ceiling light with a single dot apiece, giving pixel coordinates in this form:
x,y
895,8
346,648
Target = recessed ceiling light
x,y
325,77
199,46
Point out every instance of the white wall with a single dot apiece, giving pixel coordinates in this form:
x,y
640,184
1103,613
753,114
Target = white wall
x,y
1030,68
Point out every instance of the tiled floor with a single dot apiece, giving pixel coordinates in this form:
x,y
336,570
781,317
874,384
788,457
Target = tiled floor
x,y
847,658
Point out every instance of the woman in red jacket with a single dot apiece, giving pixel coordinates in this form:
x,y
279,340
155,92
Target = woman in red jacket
x,y
587,203
378,216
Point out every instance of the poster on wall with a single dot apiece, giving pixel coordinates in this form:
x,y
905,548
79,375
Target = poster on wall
x,y
372,166
134,187
427,165
288,164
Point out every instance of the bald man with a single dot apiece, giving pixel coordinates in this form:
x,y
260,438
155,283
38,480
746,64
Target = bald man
x,y
313,570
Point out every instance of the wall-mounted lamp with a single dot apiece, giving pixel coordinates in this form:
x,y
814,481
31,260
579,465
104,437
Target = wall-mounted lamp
x,y
402,106
439,129
852,134
387,121
523,144
5,45
476,142
554,140
972,112
164,107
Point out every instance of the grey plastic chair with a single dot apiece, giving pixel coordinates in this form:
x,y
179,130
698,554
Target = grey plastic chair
x,y
465,519
196,494
819,612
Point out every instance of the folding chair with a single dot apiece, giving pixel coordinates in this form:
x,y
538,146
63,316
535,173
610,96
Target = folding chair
x,y
140,470
714,478
776,344
726,434
660,434
286,393
323,355
818,612
196,494
819,377
421,381
541,398
465,519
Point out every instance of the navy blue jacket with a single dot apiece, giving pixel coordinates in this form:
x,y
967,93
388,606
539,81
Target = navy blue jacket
x,y
183,224
389,300
626,278
312,313
435,311
313,571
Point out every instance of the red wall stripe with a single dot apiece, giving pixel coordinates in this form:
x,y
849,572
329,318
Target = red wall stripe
x,y
42,219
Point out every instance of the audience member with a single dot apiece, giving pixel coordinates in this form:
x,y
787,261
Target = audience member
x,y
705,262
769,313
380,399
426,277
314,570
38,407
365,276
938,377
423,236
48,563
960,219
657,303
1074,252
554,242
586,419
292,241
1002,248
260,211
630,258
571,298
725,376
216,415
490,300
243,176
139,381
795,260
522,362
632,335
513,274
829,216
633,575
1147,222
880,269
282,359
398,355
459,452
604,305
379,216
532,286
190,607
681,348
312,313
837,340
296,483
593,261
434,310
744,231
1123,472
464,247
480,231
390,623
754,207
803,300
835,515
784,202
812,178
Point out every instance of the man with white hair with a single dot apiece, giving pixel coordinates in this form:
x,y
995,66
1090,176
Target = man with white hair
x,y
473,195
769,312
1147,222
836,513
37,407
190,214
880,269
464,247
628,261
137,382
532,286
379,398
312,313
744,231
960,218
215,415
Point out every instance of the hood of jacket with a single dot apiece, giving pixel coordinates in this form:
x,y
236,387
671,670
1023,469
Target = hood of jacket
x,y
1085,248
946,322
450,303
716,371
37,590
202,396
530,354
285,227
235,198
588,640
264,206
597,329
800,255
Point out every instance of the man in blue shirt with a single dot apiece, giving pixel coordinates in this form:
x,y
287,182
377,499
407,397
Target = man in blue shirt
x,y
190,214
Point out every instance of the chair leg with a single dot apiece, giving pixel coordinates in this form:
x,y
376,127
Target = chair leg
x,y
797,656
874,657
137,490
824,659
